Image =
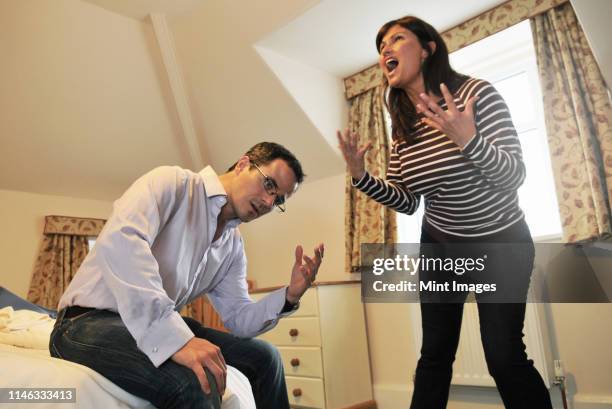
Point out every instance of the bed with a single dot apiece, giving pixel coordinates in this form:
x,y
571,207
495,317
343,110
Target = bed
x,y
25,363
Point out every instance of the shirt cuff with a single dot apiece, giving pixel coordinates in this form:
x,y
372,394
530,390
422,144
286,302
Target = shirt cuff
x,y
280,298
361,182
164,338
289,307
476,149
471,144
274,303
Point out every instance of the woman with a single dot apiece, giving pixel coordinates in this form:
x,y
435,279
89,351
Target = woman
x,y
455,146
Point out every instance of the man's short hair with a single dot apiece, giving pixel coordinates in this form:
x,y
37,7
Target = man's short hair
x,y
265,152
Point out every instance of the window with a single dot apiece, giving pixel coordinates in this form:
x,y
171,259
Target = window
x,y
507,60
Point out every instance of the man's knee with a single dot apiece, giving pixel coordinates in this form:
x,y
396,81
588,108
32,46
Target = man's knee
x,y
266,353
266,349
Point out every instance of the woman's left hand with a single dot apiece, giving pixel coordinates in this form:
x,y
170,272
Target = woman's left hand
x,y
459,126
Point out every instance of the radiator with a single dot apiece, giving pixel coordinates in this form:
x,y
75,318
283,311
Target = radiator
x,y
470,367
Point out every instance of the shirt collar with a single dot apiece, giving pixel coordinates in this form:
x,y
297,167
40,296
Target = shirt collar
x,y
212,182
214,189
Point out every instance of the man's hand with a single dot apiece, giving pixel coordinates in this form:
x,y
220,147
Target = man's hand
x,y
198,354
303,274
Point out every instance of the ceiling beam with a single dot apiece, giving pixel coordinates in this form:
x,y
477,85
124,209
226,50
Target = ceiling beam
x,y
175,78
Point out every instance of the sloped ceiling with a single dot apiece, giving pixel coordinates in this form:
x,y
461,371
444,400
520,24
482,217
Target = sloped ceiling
x,y
236,99
253,71
84,104
140,9
338,36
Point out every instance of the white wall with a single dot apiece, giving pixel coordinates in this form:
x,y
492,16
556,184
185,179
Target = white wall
x,y
319,93
315,214
22,217
594,16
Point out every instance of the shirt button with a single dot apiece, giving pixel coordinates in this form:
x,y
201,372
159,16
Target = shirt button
x,y
155,349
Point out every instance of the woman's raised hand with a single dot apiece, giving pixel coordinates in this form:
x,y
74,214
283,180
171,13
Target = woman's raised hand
x,y
348,142
459,126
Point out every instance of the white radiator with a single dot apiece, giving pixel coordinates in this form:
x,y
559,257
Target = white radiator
x,y
470,367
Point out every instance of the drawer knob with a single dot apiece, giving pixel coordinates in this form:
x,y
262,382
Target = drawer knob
x,y
297,392
293,332
295,362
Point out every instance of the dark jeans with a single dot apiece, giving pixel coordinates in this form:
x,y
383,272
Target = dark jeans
x,y
99,340
501,329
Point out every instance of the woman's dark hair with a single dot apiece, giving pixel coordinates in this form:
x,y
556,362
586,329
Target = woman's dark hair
x,y
436,70
265,152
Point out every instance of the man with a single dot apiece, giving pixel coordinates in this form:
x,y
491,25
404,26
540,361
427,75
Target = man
x,y
172,237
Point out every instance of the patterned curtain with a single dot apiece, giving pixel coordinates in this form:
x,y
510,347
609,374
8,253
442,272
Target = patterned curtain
x,y
365,220
63,250
578,118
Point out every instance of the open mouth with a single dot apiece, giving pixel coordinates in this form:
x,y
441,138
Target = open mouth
x,y
391,64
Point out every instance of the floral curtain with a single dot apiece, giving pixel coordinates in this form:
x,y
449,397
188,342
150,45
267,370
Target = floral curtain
x,y
578,118
63,250
365,220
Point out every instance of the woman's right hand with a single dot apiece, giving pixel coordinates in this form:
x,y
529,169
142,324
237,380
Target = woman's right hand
x,y
353,153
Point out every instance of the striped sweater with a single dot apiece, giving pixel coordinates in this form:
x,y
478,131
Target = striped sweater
x,y
468,192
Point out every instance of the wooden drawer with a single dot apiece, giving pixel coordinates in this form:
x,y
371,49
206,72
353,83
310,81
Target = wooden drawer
x,y
308,361
308,304
307,329
310,391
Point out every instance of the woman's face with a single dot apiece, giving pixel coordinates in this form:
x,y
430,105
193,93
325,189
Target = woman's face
x,y
401,56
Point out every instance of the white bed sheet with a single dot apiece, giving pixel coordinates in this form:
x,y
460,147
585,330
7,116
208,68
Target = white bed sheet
x,y
34,368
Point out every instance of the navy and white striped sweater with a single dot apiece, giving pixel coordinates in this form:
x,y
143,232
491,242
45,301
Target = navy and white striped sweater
x,y
470,192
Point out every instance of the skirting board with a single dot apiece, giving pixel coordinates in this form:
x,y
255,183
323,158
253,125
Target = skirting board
x,y
582,401
371,404
398,396
392,396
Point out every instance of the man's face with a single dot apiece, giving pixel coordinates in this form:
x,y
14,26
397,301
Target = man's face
x,y
249,197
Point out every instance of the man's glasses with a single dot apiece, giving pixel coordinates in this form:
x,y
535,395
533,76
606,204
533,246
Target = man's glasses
x,y
272,189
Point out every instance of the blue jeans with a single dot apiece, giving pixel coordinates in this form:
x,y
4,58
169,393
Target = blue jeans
x,y
99,340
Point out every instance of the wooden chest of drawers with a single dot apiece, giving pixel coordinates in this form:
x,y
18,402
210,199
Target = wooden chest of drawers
x,y
324,349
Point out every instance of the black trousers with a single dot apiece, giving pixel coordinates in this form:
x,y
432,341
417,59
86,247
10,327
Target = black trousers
x,y
501,326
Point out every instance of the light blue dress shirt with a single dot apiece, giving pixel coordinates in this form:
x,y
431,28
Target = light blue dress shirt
x,y
156,254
